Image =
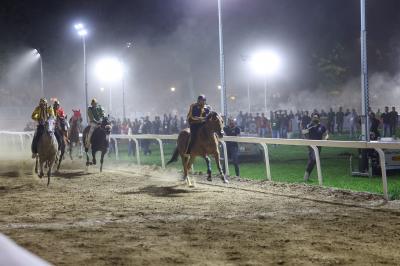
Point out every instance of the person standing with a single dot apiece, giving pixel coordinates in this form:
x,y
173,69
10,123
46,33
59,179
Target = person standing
x,y
353,118
386,122
340,120
232,148
394,118
374,129
314,131
331,121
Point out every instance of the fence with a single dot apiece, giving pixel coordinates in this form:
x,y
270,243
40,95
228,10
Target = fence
x,y
264,142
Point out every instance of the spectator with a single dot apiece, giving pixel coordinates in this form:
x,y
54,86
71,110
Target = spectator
x,y
386,122
353,122
394,117
340,120
331,121
232,148
305,120
374,132
239,120
263,126
275,126
284,124
314,131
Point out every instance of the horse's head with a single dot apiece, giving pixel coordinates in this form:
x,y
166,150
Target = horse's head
x,y
77,114
106,125
50,125
215,123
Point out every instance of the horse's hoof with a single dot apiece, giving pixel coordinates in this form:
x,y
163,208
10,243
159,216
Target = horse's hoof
x,y
41,175
209,178
225,180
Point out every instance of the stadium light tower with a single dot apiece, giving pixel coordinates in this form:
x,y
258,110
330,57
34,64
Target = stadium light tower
x,y
82,32
265,63
364,75
224,106
37,53
109,70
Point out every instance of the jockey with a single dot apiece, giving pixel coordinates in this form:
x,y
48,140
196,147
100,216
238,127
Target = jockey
x,y
41,114
61,123
96,114
196,118
58,111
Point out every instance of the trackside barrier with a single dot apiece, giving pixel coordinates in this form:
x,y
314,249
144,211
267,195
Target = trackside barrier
x,y
379,146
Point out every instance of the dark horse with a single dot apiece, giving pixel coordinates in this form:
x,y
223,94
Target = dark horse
x,y
205,144
99,141
73,134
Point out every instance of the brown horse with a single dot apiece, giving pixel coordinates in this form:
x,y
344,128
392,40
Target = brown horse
x,y
74,130
205,144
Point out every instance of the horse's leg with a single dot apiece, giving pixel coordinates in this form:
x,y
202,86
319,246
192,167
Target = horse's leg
x,y
70,150
218,162
87,157
36,165
51,163
189,164
41,168
61,156
102,160
94,157
208,167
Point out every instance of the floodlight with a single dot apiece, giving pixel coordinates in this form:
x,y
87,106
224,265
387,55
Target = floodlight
x,y
265,63
109,69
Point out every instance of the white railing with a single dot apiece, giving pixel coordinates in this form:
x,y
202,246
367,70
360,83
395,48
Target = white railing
x,y
264,142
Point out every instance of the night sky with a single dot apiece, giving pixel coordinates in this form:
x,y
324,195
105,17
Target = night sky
x,y
176,43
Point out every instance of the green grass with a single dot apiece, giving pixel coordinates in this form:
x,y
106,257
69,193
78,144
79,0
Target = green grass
x,y
287,165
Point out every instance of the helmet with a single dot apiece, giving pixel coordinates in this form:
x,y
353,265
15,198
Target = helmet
x,y
56,102
202,97
43,101
94,101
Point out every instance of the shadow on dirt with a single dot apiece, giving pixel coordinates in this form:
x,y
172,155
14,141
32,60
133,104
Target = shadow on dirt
x,y
72,175
171,191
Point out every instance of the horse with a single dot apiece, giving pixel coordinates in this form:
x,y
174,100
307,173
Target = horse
x,y
205,144
47,149
62,131
74,130
99,141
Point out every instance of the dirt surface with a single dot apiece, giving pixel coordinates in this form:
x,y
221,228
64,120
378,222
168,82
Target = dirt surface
x,y
145,216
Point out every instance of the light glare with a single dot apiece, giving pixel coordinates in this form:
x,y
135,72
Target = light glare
x,y
82,32
109,69
265,63
78,26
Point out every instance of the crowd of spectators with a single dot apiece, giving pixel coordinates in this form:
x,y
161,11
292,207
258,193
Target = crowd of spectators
x,y
286,124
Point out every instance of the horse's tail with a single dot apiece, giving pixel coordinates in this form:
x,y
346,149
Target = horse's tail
x,y
174,157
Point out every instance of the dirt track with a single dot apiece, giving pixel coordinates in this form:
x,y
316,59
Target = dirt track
x,y
144,216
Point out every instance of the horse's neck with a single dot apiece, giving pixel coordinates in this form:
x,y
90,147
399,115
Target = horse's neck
x,y
205,133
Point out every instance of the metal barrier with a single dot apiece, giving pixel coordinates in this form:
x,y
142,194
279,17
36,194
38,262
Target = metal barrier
x,y
314,144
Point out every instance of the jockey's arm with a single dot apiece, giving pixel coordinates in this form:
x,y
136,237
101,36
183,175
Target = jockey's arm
x,y
50,111
36,114
193,119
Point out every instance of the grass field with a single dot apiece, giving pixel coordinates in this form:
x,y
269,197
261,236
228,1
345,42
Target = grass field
x,y
288,165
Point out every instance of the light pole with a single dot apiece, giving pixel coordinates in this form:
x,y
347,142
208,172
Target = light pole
x,y
80,28
41,71
245,60
127,46
364,75
224,106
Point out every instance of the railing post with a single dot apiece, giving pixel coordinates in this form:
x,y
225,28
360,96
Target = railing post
x,y
382,162
161,153
318,162
225,157
21,138
116,148
137,150
266,156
